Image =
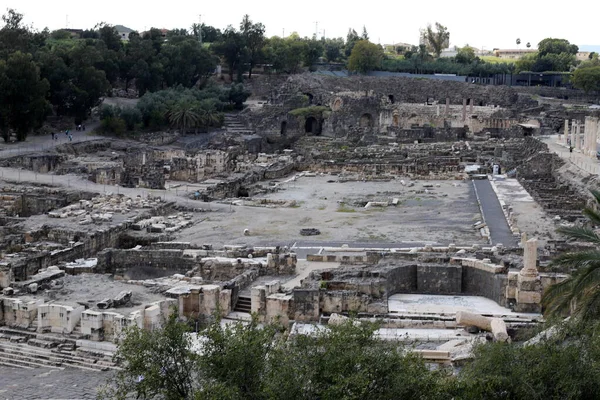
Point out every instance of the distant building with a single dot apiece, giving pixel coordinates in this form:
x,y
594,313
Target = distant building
x,y
163,32
398,48
513,54
583,55
448,53
123,32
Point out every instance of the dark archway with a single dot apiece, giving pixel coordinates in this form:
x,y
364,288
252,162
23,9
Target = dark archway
x,y
366,121
283,128
468,102
391,98
312,125
395,120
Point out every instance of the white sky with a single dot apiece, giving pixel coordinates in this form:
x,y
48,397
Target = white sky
x,y
480,24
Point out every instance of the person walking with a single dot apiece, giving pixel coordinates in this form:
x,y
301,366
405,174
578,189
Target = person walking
x,y
52,135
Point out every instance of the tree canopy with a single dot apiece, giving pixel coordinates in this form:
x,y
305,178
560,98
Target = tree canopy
x,y
437,39
365,57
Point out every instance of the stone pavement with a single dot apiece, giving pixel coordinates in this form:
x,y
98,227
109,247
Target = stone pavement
x,y
46,383
44,142
492,213
583,162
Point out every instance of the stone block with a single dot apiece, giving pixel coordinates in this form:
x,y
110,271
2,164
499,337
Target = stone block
x,y
529,284
527,297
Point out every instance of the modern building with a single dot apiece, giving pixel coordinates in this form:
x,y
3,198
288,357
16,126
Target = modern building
x,y
513,54
123,32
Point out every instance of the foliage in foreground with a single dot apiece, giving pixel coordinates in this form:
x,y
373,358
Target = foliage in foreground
x,y
250,361
240,361
579,294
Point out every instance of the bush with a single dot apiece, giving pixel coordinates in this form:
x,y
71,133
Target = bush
x,y
131,116
113,125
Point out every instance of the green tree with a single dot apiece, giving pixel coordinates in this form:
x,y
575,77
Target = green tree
x,y
60,34
184,115
438,39
254,40
351,39
465,55
186,62
156,364
333,49
232,48
579,294
365,34
365,57
556,46
566,367
22,94
314,51
131,116
109,35
348,362
238,95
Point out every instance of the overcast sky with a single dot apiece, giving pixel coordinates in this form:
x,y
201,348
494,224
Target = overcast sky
x,y
480,24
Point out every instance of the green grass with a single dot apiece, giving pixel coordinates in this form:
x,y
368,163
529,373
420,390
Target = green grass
x,y
345,209
496,60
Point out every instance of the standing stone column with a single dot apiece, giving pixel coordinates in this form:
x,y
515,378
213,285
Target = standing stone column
x,y
566,133
437,110
530,258
447,110
523,239
573,128
528,293
593,130
578,136
464,110
471,107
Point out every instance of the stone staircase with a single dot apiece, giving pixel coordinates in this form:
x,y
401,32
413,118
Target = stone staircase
x,y
235,126
243,305
21,349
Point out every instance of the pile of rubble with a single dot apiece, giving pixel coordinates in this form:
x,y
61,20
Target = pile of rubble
x,y
159,224
102,208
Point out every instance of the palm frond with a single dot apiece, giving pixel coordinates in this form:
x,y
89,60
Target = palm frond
x,y
596,194
588,305
557,298
577,259
592,215
580,233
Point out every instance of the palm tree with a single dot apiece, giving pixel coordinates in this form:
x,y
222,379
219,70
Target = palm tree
x,y
528,45
183,115
518,42
580,293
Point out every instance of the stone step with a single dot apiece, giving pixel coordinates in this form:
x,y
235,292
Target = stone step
x,y
56,357
5,330
243,304
8,361
10,365
20,359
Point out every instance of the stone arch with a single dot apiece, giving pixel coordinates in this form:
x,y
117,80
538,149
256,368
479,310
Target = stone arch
x,y
312,125
310,97
366,121
283,130
337,104
391,98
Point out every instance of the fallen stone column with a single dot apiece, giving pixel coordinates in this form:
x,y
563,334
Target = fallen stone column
x,y
494,325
